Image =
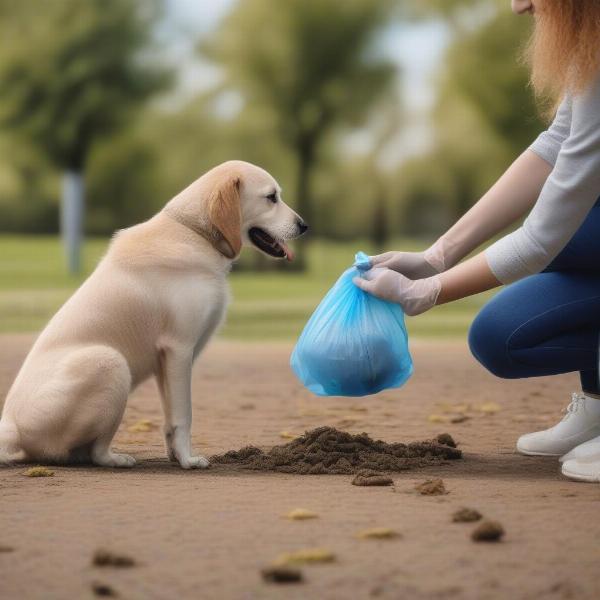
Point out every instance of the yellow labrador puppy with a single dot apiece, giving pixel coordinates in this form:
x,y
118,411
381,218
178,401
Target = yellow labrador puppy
x,y
150,306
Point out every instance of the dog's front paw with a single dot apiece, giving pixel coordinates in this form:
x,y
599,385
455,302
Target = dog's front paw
x,y
194,462
114,460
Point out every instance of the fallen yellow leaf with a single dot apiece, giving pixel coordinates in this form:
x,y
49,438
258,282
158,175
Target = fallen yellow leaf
x,y
489,408
300,514
38,472
438,418
142,426
309,555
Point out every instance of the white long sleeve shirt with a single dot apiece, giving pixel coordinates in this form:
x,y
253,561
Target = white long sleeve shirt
x,y
572,146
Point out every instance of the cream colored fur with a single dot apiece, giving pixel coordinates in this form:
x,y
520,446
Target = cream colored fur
x,y
148,309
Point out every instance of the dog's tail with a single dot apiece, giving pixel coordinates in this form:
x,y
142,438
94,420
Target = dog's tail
x,y
10,448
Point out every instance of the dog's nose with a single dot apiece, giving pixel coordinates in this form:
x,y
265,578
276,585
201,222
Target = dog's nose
x,y
302,226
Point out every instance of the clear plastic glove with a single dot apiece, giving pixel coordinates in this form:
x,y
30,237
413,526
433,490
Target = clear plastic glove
x,y
415,296
414,265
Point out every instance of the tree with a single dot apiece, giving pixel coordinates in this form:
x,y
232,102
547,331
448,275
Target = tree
x,y
70,77
311,64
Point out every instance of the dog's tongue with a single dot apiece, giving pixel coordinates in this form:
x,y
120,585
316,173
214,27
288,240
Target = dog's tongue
x,y
289,253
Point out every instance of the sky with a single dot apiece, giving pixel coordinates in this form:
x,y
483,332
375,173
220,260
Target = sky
x,y
416,49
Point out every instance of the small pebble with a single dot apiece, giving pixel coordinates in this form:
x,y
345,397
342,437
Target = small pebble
x,y
282,575
466,515
372,478
308,555
301,514
488,531
431,487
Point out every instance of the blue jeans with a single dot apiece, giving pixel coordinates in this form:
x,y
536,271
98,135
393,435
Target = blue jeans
x,y
548,323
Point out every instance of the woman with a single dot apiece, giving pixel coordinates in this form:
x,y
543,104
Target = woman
x,y
548,321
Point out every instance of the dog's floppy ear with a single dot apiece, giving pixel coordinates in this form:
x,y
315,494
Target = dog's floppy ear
x,y
225,215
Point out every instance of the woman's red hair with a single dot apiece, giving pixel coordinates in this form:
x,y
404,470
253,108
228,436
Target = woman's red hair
x,y
564,51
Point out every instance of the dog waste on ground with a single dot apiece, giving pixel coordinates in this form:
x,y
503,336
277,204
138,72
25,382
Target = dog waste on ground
x,y
106,558
282,574
488,531
378,533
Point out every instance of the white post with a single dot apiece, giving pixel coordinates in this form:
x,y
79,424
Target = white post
x,y
71,218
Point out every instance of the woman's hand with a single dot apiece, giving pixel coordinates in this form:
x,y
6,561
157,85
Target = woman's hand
x,y
415,296
413,265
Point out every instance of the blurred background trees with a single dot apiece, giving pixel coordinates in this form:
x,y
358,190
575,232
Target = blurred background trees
x,y
306,88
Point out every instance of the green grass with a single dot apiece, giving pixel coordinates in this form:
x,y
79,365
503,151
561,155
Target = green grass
x,y
266,306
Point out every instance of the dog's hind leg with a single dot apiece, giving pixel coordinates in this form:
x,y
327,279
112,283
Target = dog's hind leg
x,y
10,449
79,407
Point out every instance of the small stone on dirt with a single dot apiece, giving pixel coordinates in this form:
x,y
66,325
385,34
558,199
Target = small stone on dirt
x,y
38,472
378,533
301,514
103,589
466,515
4,548
488,531
288,435
431,487
282,575
460,418
309,555
106,558
366,478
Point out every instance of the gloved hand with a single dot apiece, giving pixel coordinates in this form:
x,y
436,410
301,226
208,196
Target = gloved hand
x,y
415,296
414,265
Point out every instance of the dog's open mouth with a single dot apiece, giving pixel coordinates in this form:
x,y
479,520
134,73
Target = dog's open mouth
x,y
268,244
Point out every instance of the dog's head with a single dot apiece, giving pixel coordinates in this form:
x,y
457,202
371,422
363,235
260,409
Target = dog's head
x,y
244,207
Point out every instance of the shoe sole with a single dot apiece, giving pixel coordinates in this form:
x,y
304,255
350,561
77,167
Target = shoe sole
x,y
530,453
577,477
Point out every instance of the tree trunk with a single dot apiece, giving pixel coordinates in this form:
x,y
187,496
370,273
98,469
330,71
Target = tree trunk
x,y
71,218
303,199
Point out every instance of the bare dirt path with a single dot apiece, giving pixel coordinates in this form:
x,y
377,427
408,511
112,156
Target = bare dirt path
x,y
208,534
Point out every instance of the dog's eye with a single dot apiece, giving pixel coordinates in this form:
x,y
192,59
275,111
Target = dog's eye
x,y
272,197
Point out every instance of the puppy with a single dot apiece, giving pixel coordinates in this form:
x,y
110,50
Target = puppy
x,y
148,309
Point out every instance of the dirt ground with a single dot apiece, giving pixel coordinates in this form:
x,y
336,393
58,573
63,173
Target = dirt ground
x,y
207,534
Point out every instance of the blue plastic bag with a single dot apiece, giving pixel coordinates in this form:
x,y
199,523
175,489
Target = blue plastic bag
x,y
354,344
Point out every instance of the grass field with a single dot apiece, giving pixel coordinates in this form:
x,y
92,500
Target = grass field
x,y
33,284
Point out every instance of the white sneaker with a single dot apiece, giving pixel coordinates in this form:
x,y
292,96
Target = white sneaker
x,y
580,424
583,462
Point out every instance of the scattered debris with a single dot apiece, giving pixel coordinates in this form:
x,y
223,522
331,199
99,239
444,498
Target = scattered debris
x,y
142,426
489,408
301,514
438,418
431,487
310,555
103,589
106,558
488,531
326,450
282,574
459,418
371,478
38,472
378,533
466,515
